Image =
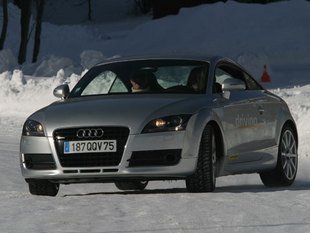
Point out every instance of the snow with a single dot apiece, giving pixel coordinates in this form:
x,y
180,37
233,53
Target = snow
x,y
253,34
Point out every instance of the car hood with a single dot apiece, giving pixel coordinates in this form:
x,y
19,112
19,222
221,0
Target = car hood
x,y
133,112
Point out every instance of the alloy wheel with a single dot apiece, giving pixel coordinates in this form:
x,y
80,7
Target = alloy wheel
x,y
289,154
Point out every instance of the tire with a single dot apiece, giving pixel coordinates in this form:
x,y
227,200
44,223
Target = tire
x,y
204,178
287,163
131,185
43,188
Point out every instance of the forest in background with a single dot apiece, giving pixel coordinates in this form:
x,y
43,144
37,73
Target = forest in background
x,y
35,10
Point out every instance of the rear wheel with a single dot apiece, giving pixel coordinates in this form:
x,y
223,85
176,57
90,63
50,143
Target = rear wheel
x,y
204,178
131,185
285,172
43,187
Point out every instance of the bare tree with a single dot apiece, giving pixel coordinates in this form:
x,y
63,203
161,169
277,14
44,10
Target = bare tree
x,y
4,24
144,5
89,10
25,6
37,36
89,5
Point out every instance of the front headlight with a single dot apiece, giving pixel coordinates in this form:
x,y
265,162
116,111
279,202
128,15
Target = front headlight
x,y
33,128
169,123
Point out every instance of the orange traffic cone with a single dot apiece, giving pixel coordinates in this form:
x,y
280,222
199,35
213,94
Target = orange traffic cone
x,y
265,76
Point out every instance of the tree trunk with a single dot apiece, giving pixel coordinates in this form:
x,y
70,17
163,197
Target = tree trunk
x,y
4,24
24,23
37,37
89,10
162,8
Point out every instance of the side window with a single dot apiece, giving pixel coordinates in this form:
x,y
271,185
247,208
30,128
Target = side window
x,y
224,73
118,87
106,82
101,84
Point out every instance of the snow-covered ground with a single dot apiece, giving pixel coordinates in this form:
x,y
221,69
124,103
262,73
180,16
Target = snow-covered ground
x,y
253,34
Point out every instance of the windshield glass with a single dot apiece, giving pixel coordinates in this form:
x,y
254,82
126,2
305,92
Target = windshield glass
x,y
144,76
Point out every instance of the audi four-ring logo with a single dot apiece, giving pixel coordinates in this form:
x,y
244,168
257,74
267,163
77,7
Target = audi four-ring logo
x,y
89,133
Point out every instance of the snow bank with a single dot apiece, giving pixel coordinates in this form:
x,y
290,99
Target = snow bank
x,y
48,66
21,95
89,58
253,34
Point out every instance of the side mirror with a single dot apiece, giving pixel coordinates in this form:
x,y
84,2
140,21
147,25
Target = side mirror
x,y
233,85
62,91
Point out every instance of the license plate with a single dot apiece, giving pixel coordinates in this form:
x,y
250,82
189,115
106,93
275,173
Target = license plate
x,y
73,147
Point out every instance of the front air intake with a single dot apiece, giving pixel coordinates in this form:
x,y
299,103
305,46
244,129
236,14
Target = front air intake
x,y
155,158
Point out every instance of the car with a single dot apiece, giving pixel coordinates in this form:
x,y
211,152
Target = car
x,y
194,118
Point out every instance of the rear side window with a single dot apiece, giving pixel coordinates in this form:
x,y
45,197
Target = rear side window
x,y
251,83
225,71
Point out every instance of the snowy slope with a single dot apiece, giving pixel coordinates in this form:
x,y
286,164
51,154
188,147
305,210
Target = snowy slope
x,y
275,34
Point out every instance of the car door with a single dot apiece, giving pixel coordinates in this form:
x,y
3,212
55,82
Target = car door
x,y
240,114
268,107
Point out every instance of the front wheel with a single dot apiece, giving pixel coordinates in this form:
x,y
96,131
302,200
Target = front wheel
x,y
131,185
204,178
285,172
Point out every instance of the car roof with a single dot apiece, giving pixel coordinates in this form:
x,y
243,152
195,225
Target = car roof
x,y
172,56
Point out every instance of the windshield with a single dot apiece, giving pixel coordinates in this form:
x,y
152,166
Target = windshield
x,y
144,76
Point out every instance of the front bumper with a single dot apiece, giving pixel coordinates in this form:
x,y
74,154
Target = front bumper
x,y
179,142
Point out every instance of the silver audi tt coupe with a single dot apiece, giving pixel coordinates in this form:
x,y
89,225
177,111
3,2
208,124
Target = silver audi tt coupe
x,y
133,120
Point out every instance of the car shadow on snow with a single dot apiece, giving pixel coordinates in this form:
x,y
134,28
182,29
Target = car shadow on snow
x,y
299,185
144,192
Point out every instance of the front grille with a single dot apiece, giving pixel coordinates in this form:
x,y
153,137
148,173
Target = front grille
x,y
120,134
155,158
